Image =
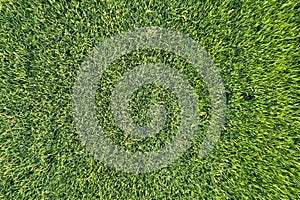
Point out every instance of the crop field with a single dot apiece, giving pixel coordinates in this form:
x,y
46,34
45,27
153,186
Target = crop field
x,y
254,46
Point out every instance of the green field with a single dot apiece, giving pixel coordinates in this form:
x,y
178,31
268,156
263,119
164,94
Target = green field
x,y
254,44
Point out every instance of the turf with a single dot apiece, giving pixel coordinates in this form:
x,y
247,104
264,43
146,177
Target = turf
x,y
255,44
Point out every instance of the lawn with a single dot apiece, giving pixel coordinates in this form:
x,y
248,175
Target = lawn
x,y
254,45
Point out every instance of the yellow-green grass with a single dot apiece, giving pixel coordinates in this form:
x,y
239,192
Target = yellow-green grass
x,y
255,44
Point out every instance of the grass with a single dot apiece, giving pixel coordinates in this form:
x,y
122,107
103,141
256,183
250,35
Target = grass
x,y
255,44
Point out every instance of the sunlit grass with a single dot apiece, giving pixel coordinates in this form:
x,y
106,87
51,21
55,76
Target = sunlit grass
x,y
255,44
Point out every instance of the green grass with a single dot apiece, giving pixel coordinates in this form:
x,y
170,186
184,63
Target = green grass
x,y
255,44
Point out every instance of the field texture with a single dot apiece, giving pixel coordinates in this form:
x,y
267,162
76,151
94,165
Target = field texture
x,y
254,44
